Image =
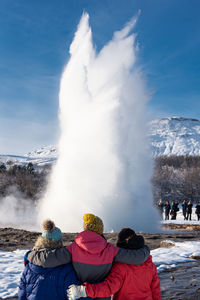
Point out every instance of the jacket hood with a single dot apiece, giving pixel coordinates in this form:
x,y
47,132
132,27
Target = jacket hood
x,y
91,242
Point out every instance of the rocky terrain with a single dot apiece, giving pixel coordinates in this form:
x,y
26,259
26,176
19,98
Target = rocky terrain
x,y
12,239
181,227
181,283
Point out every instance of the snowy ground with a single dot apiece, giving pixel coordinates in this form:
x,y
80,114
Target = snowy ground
x,y
11,263
11,266
166,258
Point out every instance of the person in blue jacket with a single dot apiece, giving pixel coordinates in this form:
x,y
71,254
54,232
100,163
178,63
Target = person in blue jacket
x,y
38,283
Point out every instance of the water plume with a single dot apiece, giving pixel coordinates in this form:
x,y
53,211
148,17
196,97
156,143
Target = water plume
x,y
103,165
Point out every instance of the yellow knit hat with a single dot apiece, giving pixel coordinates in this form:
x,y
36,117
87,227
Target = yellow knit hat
x,y
93,223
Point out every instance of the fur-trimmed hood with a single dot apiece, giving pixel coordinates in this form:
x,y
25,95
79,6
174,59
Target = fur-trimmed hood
x,y
50,244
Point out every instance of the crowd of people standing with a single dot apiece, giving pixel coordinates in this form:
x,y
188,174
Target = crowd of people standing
x,y
171,209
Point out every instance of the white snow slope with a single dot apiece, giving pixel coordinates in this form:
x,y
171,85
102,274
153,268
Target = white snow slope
x,y
175,136
167,136
11,265
40,157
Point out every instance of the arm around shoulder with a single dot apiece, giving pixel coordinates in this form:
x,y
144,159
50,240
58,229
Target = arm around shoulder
x,y
132,257
50,258
109,286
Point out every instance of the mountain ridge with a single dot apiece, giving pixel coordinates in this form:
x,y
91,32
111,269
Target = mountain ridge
x,y
167,136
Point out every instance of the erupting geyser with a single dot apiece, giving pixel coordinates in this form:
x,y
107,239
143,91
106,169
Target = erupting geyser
x,y
103,166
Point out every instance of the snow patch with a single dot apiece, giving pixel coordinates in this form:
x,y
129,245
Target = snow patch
x,y
11,267
166,258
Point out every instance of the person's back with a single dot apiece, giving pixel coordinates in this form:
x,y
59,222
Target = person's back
x,y
126,282
167,209
38,283
92,256
189,207
160,207
129,282
184,205
144,278
176,206
189,210
173,214
173,205
197,209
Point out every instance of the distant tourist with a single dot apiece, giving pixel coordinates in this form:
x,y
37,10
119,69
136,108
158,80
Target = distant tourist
x,y
167,210
125,282
38,283
173,214
184,209
189,211
197,211
160,207
174,210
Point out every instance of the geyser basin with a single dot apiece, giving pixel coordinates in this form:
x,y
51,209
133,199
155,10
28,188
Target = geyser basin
x,y
103,166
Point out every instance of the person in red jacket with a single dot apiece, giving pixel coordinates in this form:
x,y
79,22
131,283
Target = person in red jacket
x,y
125,282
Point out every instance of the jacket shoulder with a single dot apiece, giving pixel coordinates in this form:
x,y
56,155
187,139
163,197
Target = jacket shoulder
x,y
120,268
112,248
50,258
134,257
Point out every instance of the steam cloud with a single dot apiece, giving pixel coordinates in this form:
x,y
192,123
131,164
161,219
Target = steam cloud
x,y
103,165
16,211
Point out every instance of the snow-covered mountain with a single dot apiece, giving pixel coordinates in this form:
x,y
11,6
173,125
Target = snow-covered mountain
x,y
44,152
40,157
177,136
174,135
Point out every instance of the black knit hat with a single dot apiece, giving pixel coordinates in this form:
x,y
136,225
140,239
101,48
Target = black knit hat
x,y
128,239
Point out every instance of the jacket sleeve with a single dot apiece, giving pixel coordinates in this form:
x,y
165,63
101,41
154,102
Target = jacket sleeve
x,y
109,286
22,288
50,258
155,285
132,257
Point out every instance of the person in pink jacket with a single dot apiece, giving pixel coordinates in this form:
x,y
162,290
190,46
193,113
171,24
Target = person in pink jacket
x,y
125,282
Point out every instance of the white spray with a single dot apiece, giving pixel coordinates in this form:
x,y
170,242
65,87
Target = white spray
x,y
103,166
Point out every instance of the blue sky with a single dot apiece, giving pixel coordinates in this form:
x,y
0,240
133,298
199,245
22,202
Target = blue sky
x,y
34,40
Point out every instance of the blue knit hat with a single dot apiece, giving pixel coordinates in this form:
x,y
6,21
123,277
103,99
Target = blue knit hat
x,y
50,231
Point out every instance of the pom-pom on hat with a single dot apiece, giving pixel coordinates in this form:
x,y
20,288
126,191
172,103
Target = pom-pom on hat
x,y
50,231
93,223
